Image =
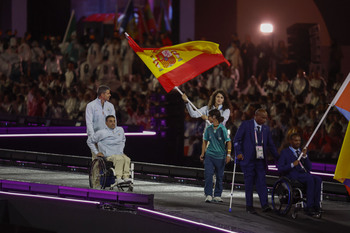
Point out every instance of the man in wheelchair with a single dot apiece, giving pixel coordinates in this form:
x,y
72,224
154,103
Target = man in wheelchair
x,y
292,168
110,144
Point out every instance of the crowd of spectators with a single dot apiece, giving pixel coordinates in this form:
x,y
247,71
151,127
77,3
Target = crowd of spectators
x,y
51,79
55,80
295,103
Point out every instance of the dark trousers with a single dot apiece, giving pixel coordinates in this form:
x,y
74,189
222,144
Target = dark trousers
x,y
212,165
313,189
254,173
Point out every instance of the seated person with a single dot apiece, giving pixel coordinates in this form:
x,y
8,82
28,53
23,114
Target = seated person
x,y
110,144
291,167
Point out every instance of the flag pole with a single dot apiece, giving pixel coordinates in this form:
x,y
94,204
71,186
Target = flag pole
x,y
233,183
69,23
116,25
181,93
334,101
122,21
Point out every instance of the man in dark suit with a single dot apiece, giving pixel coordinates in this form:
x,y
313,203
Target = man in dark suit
x,y
291,167
252,141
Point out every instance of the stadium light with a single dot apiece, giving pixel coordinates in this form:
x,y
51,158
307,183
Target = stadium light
x,y
266,28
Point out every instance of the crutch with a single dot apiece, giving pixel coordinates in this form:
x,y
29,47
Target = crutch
x,y
233,182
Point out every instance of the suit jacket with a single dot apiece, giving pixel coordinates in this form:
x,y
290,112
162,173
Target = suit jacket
x,y
244,142
284,164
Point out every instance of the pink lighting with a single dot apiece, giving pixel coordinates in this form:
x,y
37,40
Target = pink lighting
x,y
144,133
184,220
49,197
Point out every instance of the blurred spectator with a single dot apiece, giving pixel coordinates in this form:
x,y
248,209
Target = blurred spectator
x,y
248,55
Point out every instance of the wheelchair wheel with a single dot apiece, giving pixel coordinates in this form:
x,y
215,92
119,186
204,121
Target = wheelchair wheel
x,y
282,196
97,173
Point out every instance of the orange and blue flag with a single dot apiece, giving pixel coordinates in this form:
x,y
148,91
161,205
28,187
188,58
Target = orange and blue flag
x,y
175,65
342,99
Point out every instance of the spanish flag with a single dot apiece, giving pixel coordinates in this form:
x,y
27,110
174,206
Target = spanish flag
x,y
175,65
341,101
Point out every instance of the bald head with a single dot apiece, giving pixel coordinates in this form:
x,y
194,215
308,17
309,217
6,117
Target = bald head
x,y
260,116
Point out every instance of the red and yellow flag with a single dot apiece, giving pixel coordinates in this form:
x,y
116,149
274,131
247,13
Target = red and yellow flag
x,y
175,65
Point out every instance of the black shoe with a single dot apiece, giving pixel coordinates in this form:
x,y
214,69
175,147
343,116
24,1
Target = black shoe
x,y
250,210
266,208
309,212
318,210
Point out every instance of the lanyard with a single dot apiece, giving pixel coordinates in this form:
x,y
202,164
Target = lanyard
x,y
256,138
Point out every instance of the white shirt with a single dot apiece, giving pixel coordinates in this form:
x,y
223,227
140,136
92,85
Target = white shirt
x,y
109,141
205,111
95,115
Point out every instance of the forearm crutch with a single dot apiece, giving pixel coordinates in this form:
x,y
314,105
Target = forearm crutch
x,y
233,182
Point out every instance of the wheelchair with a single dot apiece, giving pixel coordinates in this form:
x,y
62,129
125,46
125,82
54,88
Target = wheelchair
x,y
101,174
287,193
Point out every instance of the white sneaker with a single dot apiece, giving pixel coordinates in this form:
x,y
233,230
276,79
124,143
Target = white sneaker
x,y
208,198
119,180
217,199
128,180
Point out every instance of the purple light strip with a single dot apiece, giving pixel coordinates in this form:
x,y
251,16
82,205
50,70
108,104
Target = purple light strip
x,y
52,198
274,168
184,220
51,164
6,160
144,133
157,175
77,167
25,162
184,178
43,135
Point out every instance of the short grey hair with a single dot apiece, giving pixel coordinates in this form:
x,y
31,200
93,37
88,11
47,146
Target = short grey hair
x,y
102,89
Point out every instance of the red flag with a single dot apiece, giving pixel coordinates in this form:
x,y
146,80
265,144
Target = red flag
x,y
149,18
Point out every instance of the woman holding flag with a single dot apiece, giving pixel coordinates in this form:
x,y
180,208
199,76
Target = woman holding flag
x,y
218,100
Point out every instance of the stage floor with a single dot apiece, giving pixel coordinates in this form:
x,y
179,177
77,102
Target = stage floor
x,y
187,201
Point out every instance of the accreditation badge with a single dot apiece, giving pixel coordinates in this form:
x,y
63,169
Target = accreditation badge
x,y
259,152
